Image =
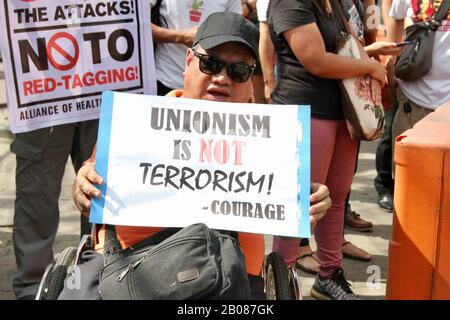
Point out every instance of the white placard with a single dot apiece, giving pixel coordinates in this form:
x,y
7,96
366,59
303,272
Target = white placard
x,y
171,162
60,56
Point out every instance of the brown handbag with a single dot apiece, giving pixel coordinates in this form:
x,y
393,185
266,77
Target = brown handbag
x,y
362,106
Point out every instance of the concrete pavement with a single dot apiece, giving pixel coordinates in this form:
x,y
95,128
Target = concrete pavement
x,y
363,200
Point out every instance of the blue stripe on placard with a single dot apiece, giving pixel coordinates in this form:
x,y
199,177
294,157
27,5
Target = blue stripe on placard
x,y
102,155
303,172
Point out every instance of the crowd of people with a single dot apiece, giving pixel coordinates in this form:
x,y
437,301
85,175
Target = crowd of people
x,y
286,51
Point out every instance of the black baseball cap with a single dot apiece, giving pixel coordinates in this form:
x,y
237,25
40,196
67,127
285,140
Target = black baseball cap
x,y
222,27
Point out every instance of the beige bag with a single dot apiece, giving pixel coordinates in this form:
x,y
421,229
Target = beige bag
x,y
362,106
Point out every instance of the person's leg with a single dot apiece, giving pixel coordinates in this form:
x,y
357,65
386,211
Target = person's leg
x,y
353,220
323,133
407,115
84,139
84,284
307,260
256,287
328,233
41,156
347,199
383,182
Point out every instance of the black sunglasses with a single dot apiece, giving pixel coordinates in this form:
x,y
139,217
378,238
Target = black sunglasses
x,y
237,71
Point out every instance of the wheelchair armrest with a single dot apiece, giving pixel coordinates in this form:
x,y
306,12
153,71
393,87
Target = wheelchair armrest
x,y
86,243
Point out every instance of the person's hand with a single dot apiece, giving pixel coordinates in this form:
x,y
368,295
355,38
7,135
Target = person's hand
x,y
245,9
248,6
252,3
268,89
383,48
377,71
390,68
376,93
320,202
188,36
83,189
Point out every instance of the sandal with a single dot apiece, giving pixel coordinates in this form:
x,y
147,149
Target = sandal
x,y
350,251
308,263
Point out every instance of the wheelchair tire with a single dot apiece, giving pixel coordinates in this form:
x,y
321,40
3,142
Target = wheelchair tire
x,y
54,282
277,278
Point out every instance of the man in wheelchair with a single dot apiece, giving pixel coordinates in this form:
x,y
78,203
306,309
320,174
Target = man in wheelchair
x,y
218,68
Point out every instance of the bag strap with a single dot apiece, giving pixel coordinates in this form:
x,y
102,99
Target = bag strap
x,y
349,30
442,11
338,7
112,245
156,238
156,17
359,41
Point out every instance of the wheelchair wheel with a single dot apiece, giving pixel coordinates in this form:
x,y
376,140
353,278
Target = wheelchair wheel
x,y
53,280
294,283
277,278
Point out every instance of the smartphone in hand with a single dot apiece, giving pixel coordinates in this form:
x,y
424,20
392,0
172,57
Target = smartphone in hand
x,y
406,43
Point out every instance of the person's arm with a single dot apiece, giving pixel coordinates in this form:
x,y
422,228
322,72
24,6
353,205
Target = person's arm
x,y
307,44
385,48
370,21
258,89
385,7
394,27
373,47
245,8
267,59
164,35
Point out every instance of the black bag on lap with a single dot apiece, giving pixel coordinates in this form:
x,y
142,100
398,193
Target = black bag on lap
x,y
194,262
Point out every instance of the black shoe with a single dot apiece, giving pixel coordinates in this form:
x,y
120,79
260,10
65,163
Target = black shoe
x,y
335,288
385,202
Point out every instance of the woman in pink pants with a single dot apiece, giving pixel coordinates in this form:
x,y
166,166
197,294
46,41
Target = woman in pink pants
x,y
304,33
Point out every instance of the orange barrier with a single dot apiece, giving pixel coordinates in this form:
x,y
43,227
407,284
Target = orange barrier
x,y
419,254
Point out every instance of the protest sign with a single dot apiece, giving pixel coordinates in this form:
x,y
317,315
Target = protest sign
x,y
172,162
60,55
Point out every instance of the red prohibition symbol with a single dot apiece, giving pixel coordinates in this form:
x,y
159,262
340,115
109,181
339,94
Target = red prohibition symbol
x,y
53,45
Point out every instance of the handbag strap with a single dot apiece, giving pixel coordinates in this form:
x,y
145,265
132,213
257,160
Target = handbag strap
x,y
112,245
442,11
359,41
338,7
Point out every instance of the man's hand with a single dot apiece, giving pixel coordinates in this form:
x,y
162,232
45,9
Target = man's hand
x,y
320,202
83,188
187,36
163,35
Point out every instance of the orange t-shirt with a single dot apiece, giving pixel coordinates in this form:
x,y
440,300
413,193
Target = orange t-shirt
x,y
252,245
